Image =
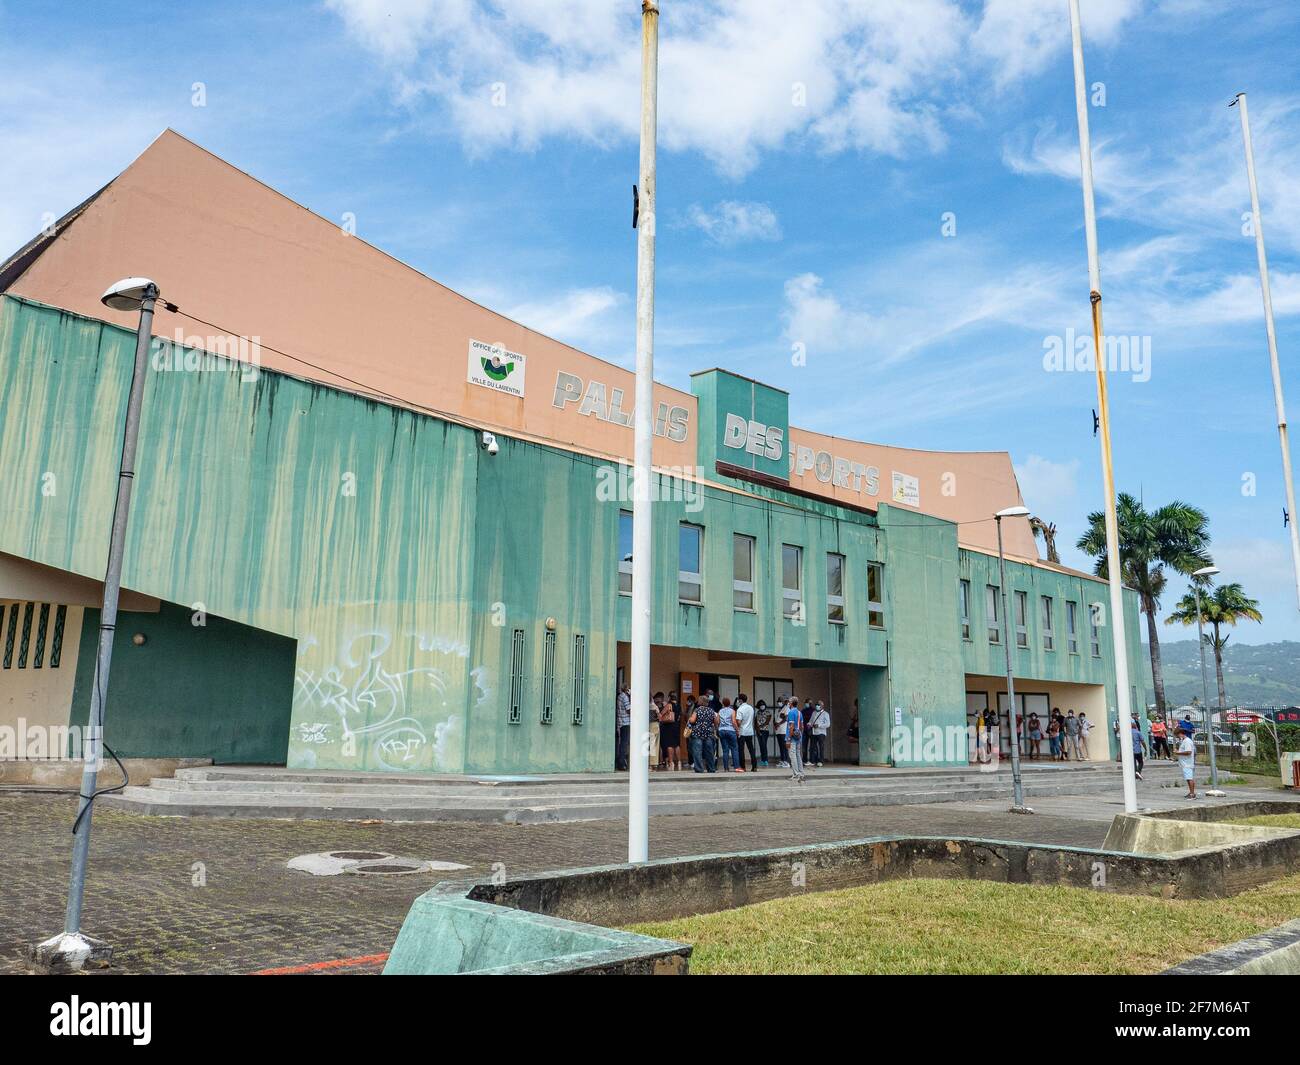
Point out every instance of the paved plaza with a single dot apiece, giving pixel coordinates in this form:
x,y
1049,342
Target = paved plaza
x,y
192,895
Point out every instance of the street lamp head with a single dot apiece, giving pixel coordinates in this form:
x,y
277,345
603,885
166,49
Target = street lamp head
x,y
127,294
1012,512
1206,571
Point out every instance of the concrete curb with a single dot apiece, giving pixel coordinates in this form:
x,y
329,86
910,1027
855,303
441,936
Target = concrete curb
x,y
1272,953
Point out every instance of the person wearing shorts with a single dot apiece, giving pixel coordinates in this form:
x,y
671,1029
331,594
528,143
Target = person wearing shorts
x,y
1187,760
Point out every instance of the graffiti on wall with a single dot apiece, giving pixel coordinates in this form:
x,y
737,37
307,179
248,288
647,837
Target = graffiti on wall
x,y
385,711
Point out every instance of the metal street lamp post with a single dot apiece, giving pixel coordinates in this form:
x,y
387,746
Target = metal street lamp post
x,y
1204,574
71,951
1018,791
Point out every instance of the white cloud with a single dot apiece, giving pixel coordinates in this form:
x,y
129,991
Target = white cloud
x,y
61,146
1050,489
1020,37
737,77
965,287
1193,179
735,222
583,317
1262,566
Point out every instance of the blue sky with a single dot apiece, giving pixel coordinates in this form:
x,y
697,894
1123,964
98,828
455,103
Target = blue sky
x,y
809,154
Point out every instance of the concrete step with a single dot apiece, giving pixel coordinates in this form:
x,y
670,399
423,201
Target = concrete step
x,y
836,773
362,797
669,783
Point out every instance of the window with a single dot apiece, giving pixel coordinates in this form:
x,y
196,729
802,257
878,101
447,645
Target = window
x,y
1094,615
1049,633
624,552
876,595
1022,627
835,588
32,635
742,579
516,675
690,541
579,677
792,580
548,678
963,602
992,614
1072,627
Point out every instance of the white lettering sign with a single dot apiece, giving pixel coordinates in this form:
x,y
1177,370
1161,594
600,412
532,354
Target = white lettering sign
x,y
755,438
594,400
834,470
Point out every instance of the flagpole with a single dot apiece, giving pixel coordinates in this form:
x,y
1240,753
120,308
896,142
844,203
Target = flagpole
x,y
1113,569
638,816
1289,481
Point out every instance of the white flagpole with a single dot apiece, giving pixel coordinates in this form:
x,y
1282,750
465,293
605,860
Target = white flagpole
x,y
1287,477
638,807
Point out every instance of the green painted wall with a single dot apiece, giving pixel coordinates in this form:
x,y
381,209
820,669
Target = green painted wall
x,y
980,656
717,625
543,548
273,502
219,690
926,681
402,559
722,394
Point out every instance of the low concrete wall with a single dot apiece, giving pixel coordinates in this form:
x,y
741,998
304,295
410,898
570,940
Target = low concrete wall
x,y
1241,856
1272,953
446,933
682,887
477,926
66,772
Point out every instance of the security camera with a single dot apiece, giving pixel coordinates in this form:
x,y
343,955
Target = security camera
x,y
488,443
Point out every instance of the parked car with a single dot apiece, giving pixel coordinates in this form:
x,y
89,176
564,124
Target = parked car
x,y
1221,739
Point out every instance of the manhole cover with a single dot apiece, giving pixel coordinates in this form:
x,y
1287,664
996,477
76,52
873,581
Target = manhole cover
x,y
388,868
332,863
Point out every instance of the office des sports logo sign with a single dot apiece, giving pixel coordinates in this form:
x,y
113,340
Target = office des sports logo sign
x,y
491,366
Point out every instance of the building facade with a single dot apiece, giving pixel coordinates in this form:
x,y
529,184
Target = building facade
x,y
327,568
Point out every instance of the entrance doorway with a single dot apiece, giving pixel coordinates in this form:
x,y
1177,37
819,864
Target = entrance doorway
x,y
723,685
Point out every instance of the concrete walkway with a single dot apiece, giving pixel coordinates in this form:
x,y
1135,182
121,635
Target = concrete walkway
x,y
191,895
261,791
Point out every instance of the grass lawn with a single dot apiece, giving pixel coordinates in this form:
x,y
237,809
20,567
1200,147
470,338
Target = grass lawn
x,y
1270,820
973,927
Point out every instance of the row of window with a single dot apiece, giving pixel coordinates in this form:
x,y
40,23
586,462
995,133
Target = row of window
x,y
579,689
744,553
1047,621
19,645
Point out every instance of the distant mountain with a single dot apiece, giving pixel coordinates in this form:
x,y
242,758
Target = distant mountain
x,y
1261,674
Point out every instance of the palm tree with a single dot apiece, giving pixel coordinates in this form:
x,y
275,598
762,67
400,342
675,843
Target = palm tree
x,y
1174,536
1046,531
1227,605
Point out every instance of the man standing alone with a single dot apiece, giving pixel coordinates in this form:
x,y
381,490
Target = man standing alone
x,y
794,729
745,735
819,724
623,719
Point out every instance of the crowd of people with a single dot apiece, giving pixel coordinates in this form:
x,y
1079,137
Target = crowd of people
x,y
1066,734
727,734
732,735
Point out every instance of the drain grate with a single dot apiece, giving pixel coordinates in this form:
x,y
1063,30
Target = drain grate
x,y
359,856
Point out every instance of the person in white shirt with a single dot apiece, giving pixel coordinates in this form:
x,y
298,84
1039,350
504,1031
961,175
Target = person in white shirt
x,y
1186,752
819,724
745,735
